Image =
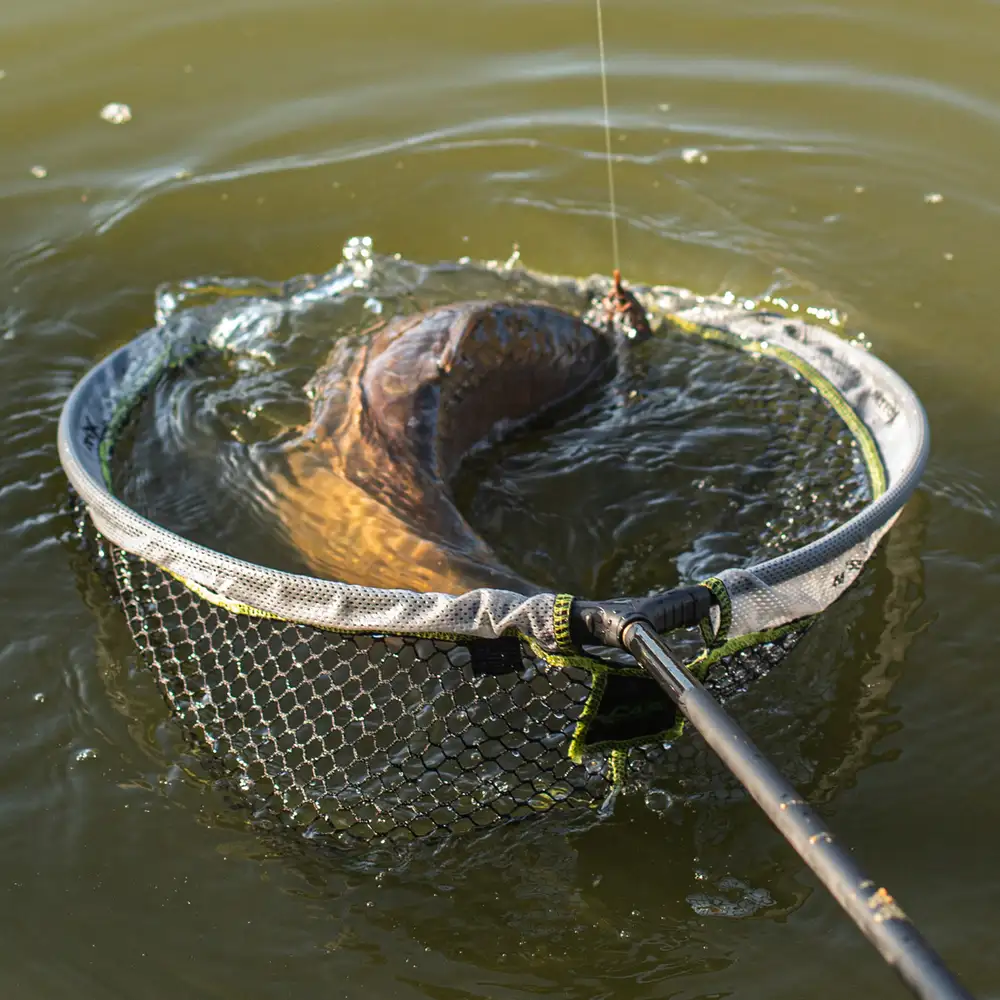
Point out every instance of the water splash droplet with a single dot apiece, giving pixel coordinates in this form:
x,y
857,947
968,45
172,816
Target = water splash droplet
x,y
658,800
116,114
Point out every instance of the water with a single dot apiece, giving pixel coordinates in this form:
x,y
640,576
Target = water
x,y
839,156
684,460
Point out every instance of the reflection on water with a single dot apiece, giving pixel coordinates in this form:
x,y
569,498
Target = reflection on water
x,y
837,155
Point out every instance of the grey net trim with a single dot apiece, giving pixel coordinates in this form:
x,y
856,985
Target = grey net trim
x,y
866,391
806,581
87,429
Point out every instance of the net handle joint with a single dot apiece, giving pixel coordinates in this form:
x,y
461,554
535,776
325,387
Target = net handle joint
x,y
604,623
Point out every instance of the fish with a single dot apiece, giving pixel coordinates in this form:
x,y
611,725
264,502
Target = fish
x,y
365,497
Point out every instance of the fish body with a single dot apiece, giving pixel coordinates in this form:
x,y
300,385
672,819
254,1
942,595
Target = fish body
x,y
366,498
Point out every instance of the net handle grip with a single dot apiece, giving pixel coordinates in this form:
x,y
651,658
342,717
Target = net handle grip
x,y
603,623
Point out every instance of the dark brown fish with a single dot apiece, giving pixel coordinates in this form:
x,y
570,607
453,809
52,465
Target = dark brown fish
x,y
367,498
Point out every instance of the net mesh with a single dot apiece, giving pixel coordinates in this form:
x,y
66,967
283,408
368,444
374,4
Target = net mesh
x,y
356,715
352,740
359,738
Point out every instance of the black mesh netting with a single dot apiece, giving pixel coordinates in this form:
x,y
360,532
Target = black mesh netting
x,y
358,738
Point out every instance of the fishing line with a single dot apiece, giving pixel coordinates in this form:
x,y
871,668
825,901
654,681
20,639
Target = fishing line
x,y
607,137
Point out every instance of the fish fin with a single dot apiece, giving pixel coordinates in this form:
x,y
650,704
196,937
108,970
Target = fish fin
x,y
463,324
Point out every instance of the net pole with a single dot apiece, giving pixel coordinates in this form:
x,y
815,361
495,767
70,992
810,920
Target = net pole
x,y
870,906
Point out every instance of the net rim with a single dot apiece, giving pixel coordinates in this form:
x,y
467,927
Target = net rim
x,y
490,613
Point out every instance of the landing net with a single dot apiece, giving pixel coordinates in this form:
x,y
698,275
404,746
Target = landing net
x,y
357,714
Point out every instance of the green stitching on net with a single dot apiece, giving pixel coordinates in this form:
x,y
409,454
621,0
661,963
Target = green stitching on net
x,y
560,620
708,657
721,595
121,412
222,602
599,672
598,682
874,465
869,450
248,609
618,765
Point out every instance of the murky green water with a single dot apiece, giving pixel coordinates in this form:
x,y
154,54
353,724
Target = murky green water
x,y
839,155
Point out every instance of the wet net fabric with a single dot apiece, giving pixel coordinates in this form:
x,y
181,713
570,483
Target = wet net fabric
x,y
357,739
359,714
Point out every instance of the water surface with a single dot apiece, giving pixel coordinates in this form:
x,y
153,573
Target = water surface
x,y
839,156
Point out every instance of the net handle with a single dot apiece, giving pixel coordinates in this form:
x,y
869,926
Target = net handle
x,y
872,909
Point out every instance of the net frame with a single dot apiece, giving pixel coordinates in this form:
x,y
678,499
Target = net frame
x,y
878,407
763,605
